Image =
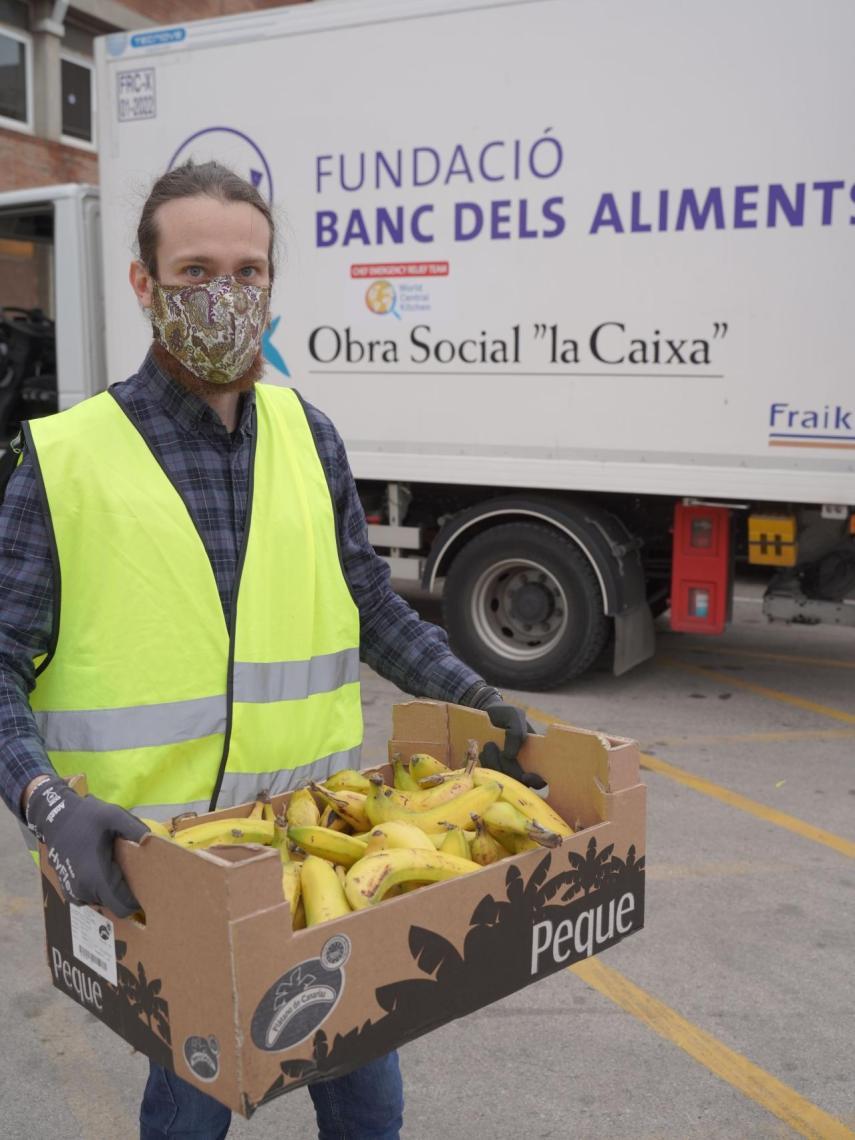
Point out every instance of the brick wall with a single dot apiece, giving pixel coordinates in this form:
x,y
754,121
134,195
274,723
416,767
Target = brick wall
x,y
28,161
171,12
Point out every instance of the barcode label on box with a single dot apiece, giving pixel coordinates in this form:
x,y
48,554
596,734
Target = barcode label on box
x,y
92,941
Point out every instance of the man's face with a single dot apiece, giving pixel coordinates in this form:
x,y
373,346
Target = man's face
x,y
202,237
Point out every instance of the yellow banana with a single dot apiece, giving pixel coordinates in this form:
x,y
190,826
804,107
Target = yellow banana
x,y
403,781
298,921
349,805
458,811
396,833
455,844
257,809
527,801
267,811
485,848
437,838
323,894
369,880
347,780
446,789
422,764
226,831
157,828
341,872
504,821
519,843
291,885
302,811
333,846
331,819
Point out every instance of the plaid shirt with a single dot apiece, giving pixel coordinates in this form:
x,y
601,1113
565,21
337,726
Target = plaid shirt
x,y
210,467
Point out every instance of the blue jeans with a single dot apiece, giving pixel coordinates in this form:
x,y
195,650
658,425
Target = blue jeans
x,y
367,1104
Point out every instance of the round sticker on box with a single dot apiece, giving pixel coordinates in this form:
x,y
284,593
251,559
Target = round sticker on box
x,y
335,952
202,1055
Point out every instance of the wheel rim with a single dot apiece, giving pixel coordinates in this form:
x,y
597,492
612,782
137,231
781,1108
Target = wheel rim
x,y
519,609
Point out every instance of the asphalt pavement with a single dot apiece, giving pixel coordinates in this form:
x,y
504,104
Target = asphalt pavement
x,y
729,1016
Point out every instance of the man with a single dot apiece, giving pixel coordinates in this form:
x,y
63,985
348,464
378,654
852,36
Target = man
x,y
187,589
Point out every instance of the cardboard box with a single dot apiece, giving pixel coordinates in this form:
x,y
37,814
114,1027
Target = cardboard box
x,y
216,986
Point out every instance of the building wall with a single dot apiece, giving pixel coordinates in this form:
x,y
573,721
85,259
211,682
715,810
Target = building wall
x,y
40,158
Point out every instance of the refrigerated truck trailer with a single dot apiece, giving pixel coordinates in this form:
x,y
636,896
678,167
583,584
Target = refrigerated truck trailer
x,y
573,280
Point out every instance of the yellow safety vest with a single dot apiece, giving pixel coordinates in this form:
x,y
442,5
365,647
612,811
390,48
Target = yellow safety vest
x,y
145,689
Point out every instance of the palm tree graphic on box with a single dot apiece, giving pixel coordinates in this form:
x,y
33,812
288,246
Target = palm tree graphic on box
x,y
496,958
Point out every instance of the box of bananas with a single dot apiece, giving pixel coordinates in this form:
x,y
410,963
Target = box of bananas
x,y
300,935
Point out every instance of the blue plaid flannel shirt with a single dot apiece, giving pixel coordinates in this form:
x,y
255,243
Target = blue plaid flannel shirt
x,y
210,467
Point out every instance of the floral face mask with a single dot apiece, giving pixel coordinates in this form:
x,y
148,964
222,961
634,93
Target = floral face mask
x,y
214,328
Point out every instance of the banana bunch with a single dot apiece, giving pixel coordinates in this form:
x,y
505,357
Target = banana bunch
x,y
351,841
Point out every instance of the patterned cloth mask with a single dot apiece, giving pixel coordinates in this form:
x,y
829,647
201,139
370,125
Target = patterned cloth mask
x,y
214,328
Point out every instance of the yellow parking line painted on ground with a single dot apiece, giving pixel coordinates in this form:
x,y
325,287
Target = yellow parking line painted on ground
x,y
760,690
804,1117
732,799
758,655
759,737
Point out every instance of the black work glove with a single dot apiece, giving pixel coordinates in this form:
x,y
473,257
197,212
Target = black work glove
x,y
78,832
513,721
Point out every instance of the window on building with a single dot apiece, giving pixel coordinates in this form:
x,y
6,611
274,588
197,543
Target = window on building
x,y
77,100
15,78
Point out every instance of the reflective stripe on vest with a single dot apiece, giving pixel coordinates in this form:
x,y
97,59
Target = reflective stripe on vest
x,y
146,690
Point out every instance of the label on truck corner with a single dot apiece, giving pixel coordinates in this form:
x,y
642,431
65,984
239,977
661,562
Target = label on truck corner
x,y
92,941
136,94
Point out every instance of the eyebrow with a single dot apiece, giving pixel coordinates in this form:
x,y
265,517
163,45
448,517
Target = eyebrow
x,y
204,259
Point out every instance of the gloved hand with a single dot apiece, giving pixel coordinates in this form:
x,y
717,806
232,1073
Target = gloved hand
x,y
78,832
513,721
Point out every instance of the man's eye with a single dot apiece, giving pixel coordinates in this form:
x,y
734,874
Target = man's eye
x,y
195,271
248,271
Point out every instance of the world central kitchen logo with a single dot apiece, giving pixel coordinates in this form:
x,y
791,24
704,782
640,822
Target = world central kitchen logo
x,y
831,426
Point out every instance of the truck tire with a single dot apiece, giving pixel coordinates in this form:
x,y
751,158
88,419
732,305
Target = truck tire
x,y
522,605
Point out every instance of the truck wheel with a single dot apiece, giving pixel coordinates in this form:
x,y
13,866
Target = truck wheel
x,y
522,605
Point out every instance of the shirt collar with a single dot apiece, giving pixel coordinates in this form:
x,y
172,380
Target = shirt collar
x,y
189,410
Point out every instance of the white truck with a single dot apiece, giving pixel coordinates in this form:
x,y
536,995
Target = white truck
x,y
573,280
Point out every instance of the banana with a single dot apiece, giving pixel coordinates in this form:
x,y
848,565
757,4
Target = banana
x,y
403,781
157,828
437,838
518,844
447,788
341,872
455,844
349,805
298,922
422,764
323,894
330,845
268,812
369,880
291,885
397,833
226,831
302,811
485,848
458,811
347,780
504,822
523,798
280,837
331,819
257,809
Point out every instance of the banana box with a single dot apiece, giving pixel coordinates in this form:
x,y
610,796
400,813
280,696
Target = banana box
x,y
212,982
